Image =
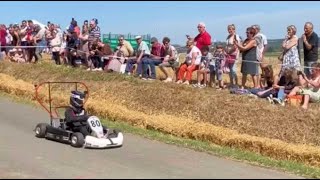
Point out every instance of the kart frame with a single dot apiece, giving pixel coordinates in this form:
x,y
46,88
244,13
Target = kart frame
x,y
52,110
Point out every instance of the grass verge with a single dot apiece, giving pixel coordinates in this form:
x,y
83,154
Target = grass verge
x,y
226,152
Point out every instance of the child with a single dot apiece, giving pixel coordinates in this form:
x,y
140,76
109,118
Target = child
x,y
267,80
310,88
281,87
220,59
204,69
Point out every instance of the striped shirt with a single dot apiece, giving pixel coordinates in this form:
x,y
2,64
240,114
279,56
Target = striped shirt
x,y
94,34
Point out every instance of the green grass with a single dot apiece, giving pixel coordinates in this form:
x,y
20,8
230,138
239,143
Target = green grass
x,y
225,152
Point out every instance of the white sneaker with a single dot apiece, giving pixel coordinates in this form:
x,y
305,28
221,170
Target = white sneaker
x,y
168,80
179,82
278,101
144,79
186,83
89,69
270,99
99,69
94,69
196,85
151,79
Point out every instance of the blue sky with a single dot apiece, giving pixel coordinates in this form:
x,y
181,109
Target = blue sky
x,y
172,19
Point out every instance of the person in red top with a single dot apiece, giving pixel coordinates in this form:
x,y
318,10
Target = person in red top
x,y
156,47
3,34
203,38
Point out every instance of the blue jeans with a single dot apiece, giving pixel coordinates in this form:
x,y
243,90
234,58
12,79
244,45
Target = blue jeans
x,y
40,49
232,73
281,94
130,64
307,71
152,63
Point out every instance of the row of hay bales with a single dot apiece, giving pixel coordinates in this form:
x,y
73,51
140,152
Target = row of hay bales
x,y
170,124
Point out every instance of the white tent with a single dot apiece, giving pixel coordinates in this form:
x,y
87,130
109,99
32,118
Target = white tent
x,y
40,24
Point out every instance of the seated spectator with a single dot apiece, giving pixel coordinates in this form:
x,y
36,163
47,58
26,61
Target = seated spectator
x,y
124,50
281,86
266,81
152,61
191,63
309,88
170,58
205,67
267,77
98,54
142,56
16,55
73,45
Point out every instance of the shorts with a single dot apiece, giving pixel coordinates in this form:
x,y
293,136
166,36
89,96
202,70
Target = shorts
x,y
314,95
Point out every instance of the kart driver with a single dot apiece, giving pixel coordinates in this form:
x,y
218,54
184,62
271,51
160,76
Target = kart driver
x,y
76,116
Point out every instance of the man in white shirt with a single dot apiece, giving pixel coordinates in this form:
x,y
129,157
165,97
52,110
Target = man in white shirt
x,y
142,56
262,43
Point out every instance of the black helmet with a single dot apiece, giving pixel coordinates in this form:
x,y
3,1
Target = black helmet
x,y
77,99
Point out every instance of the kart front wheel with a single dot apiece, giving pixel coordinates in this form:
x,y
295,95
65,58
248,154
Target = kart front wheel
x,y
41,130
77,140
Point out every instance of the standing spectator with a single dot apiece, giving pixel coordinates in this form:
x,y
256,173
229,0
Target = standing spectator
x,y
262,43
249,58
290,50
94,32
86,24
3,34
310,47
84,45
55,44
23,37
170,58
39,40
193,59
233,53
203,38
142,56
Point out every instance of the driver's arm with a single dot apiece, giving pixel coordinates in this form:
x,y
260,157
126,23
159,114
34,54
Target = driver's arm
x,y
70,117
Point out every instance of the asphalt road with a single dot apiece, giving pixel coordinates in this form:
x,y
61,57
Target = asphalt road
x,y
22,155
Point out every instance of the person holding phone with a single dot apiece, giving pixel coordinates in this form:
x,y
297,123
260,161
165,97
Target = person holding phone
x,y
309,87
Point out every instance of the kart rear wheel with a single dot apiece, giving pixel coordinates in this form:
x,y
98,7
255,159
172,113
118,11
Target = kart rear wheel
x,y
41,130
77,140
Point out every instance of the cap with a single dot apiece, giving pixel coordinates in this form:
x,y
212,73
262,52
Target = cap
x,y
138,37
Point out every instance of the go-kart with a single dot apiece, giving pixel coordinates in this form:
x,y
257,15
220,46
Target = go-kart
x,y
58,130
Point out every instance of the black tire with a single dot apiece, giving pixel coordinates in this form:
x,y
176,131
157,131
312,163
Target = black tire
x,y
77,140
41,130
